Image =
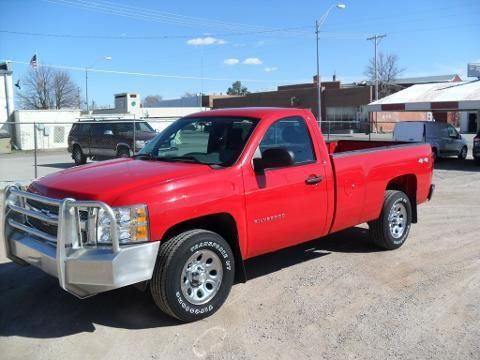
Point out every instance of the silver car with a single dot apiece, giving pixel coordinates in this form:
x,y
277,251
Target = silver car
x,y
444,138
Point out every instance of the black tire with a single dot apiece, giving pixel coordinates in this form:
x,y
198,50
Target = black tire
x,y
123,153
477,161
383,231
463,153
78,156
170,283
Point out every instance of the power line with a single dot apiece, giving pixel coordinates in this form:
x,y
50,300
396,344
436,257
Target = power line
x,y
326,35
153,75
153,15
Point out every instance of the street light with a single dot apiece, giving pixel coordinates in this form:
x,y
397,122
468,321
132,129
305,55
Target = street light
x,y
108,58
319,23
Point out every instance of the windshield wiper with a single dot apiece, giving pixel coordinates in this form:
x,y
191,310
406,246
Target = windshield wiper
x,y
190,159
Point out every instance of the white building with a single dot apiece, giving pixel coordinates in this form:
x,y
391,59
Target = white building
x,y
6,92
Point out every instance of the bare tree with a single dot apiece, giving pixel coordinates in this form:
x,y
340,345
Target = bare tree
x,y
65,91
44,88
35,92
152,101
388,71
188,94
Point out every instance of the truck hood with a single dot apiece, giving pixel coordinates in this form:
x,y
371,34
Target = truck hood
x,y
107,180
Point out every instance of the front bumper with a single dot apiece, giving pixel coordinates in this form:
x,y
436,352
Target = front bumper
x,y
81,270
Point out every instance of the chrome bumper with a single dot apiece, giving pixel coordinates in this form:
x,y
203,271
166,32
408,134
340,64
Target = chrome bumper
x,y
81,270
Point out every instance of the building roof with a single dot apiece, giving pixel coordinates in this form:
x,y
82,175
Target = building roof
x,y
428,79
447,96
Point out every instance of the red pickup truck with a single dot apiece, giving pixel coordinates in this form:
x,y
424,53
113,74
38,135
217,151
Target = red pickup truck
x,y
212,190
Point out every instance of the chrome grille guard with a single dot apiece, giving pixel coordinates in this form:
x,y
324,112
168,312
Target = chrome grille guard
x,y
68,222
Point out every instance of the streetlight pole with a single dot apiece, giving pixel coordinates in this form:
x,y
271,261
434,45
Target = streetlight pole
x,y
319,23
86,76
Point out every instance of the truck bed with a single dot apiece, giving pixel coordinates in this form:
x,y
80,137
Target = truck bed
x,y
340,146
364,170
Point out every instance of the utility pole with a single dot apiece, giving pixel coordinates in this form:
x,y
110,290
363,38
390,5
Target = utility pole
x,y
318,24
376,39
319,85
86,87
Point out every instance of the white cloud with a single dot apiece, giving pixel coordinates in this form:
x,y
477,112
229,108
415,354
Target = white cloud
x,y
270,69
231,61
208,40
252,61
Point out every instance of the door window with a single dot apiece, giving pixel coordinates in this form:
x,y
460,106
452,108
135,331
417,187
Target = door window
x,y
452,132
123,128
292,134
99,129
83,129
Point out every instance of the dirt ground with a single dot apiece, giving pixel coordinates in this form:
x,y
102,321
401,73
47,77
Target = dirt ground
x,y
334,298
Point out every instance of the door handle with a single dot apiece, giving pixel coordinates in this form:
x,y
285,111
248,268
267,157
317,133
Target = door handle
x,y
313,180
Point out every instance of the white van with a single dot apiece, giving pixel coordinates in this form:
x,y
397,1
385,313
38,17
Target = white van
x,y
444,138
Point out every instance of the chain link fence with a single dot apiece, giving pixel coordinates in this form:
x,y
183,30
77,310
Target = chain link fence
x,y
29,150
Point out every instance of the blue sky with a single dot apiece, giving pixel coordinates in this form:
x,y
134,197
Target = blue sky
x,y
430,37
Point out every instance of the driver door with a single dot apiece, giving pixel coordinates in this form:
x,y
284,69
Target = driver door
x,y
286,206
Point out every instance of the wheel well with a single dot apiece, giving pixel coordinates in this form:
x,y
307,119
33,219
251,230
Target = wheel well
x,y
224,225
408,185
123,147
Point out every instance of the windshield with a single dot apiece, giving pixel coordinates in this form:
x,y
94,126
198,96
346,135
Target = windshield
x,y
204,140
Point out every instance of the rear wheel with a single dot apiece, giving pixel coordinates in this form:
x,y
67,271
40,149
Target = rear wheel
x,y
463,153
193,275
391,229
123,153
78,155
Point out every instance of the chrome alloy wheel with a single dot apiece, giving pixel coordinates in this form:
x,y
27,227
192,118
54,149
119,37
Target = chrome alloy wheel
x,y
201,277
397,219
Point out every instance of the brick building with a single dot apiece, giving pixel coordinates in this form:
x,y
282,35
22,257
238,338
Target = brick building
x,y
343,108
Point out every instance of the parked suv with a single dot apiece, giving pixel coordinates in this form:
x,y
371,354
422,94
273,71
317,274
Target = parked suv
x,y
444,138
476,148
107,139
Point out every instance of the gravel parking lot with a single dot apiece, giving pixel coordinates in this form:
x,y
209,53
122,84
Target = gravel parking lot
x,y
336,297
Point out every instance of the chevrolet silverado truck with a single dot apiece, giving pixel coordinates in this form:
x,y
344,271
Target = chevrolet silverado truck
x,y
212,190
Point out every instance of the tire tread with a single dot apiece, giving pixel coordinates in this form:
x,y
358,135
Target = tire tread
x,y
377,227
159,278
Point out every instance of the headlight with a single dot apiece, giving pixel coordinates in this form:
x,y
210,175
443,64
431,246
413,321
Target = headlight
x,y
132,225
13,200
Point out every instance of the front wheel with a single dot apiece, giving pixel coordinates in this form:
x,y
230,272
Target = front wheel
x,y
78,156
193,275
123,153
463,153
391,229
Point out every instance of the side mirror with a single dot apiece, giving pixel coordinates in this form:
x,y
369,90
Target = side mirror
x,y
273,158
108,132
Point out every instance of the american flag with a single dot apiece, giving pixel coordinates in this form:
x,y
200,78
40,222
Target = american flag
x,y
33,62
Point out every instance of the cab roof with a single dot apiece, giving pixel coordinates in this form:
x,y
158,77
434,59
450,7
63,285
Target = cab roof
x,y
255,112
